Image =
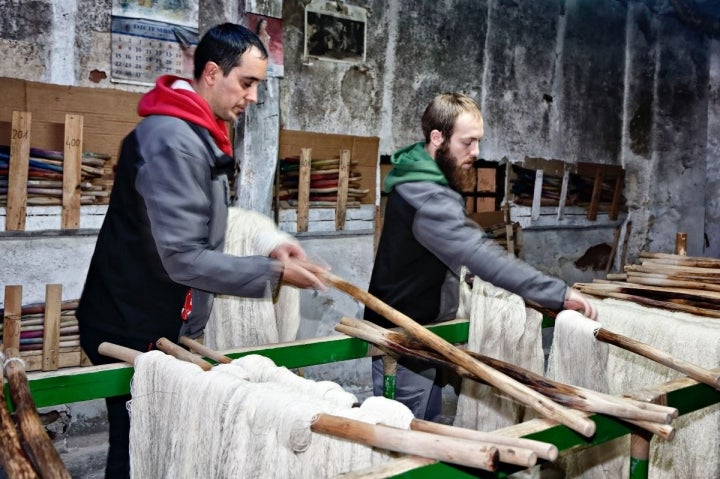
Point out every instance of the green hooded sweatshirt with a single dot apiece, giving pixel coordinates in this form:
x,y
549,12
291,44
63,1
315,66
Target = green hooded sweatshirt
x,y
413,163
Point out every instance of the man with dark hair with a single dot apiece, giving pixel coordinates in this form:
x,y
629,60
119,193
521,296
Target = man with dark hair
x,y
159,254
427,237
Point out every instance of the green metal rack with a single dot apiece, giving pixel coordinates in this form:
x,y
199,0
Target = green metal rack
x,y
81,384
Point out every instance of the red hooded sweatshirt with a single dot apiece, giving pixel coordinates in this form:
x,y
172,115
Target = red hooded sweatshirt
x,y
186,105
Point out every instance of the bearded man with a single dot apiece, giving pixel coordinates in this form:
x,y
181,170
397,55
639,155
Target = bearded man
x,y
427,237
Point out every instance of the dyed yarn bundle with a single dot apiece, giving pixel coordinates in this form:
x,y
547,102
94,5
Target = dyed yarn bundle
x,y
503,328
240,322
248,419
692,453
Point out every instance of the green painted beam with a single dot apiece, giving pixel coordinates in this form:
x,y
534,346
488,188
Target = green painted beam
x,y
73,385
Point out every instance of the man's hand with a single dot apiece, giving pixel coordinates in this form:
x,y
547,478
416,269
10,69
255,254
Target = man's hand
x,y
303,274
298,271
288,250
574,299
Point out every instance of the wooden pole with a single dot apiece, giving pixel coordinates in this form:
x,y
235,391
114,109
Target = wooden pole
x,y
696,372
204,350
43,452
13,459
168,347
510,453
513,388
443,448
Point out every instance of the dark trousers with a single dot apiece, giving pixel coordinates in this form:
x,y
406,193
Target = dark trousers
x,y
417,385
118,458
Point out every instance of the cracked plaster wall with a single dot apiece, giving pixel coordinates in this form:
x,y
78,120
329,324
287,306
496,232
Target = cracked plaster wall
x,y
617,82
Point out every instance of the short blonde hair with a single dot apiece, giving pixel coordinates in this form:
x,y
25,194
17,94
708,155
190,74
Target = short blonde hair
x,y
443,110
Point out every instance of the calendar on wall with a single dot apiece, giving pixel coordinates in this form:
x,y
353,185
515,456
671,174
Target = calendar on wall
x,y
150,39
143,50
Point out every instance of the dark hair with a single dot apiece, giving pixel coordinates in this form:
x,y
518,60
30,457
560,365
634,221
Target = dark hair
x,y
259,24
442,112
224,44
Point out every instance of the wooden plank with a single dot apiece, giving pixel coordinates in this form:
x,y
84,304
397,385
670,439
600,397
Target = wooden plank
x,y
18,171
563,193
67,358
537,195
72,163
342,193
617,196
109,114
596,192
51,332
11,317
303,210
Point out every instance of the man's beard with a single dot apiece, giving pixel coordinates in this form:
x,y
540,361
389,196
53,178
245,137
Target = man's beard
x,y
458,178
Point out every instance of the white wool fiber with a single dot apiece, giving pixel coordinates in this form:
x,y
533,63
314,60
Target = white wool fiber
x,y
693,451
221,423
501,327
241,322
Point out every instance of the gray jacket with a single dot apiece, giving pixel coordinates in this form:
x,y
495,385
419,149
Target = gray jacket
x,y
164,234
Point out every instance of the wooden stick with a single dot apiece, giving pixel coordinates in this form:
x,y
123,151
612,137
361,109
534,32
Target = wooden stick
x,y
519,391
118,352
443,448
649,301
704,262
168,347
454,450
689,369
204,350
43,452
511,450
13,459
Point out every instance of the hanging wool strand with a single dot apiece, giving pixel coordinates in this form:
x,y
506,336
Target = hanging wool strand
x,y
692,338
502,327
242,322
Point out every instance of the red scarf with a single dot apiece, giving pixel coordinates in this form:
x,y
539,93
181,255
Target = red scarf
x,y
186,105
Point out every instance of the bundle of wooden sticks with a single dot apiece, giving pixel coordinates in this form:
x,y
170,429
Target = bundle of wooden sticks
x,y
45,177
651,417
669,281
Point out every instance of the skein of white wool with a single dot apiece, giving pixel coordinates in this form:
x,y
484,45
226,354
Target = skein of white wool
x,y
500,327
693,450
577,358
242,322
260,369
190,423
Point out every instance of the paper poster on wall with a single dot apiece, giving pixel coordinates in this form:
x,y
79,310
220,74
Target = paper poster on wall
x,y
269,29
151,38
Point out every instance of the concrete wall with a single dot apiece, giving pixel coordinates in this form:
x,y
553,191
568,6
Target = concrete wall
x,y
632,83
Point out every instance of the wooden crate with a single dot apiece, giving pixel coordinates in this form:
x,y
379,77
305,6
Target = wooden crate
x,y
362,152
598,187
57,330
